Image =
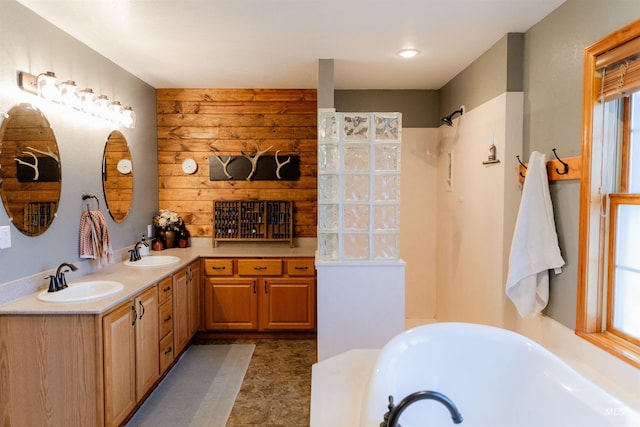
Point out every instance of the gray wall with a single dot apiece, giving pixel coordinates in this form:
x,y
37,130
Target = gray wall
x,y
548,58
29,43
498,70
419,108
553,114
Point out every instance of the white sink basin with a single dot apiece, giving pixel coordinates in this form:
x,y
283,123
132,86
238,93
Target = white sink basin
x,y
153,261
83,291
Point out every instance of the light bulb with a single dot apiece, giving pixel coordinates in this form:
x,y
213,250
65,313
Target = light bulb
x,y
115,111
408,53
88,101
68,94
128,118
102,106
47,87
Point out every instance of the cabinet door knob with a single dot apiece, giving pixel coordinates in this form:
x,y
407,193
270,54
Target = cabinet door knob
x,y
166,319
135,315
258,268
142,307
213,267
255,290
167,289
266,291
300,268
169,350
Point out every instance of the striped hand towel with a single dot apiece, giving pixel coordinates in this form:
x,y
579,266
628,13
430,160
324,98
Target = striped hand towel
x,y
94,242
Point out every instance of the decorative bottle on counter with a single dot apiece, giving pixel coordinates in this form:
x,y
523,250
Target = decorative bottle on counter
x,y
183,238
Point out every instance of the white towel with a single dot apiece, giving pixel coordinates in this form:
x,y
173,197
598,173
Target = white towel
x,y
534,248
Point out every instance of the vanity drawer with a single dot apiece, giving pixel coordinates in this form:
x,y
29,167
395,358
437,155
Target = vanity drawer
x,y
165,289
260,267
300,267
166,317
166,352
218,267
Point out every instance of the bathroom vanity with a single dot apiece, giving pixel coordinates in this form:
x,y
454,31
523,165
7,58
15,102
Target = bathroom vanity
x,y
95,362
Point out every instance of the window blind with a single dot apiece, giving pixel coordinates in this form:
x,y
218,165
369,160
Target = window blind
x,y
621,70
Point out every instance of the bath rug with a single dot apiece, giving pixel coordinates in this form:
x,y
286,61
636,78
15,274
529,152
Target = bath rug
x,y
200,390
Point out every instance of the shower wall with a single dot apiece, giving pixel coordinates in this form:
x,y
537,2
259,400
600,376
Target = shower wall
x,y
477,206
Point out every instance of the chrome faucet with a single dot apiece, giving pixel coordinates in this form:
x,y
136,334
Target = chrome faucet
x,y
58,281
135,252
391,418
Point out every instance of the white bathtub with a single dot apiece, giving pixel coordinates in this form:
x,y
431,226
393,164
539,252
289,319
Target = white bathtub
x,y
495,377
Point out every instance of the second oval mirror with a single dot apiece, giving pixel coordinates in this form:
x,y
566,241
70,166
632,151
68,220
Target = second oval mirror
x,y
117,176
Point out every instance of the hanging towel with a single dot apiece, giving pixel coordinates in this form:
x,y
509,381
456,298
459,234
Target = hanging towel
x,y
534,248
94,241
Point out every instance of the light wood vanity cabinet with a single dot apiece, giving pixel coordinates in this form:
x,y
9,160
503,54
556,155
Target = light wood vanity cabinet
x,y
131,354
186,304
259,294
165,318
85,369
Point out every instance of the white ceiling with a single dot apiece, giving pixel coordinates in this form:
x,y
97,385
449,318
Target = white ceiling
x,y
277,43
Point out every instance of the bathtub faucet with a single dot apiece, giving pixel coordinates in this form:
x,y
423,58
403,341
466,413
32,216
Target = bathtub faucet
x,y
392,417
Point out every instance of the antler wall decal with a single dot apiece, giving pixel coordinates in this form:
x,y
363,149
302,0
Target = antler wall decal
x,y
280,164
34,166
49,153
254,160
224,166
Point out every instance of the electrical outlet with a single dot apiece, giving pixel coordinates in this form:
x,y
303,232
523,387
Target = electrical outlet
x,y
5,237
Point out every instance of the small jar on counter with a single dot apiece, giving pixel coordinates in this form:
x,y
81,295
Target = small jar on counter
x,y
158,245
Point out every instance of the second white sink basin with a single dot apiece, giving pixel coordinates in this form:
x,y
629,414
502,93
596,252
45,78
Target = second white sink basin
x,y
83,291
153,261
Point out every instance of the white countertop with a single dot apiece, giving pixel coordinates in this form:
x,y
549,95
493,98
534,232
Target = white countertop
x,y
136,279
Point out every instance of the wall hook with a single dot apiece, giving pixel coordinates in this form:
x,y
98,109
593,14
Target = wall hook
x,y
566,165
86,196
522,164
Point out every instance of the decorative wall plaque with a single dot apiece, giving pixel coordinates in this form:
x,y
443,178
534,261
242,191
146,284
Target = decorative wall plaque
x,y
254,168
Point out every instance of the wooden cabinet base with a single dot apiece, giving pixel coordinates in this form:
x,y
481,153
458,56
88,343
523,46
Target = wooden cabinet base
x,y
259,295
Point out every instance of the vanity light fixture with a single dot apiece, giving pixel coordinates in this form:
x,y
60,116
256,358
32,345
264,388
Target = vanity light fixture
x,y
46,86
408,53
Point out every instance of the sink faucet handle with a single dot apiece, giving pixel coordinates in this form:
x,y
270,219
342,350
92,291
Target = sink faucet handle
x,y
133,256
53,283
62,281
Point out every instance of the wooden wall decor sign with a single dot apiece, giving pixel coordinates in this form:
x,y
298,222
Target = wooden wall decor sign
x,y
37,169
256,167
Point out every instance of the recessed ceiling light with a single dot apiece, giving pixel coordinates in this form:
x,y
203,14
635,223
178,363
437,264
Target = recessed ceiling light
x,y
408,53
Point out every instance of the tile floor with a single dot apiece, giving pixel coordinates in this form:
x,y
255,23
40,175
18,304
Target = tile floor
x,y
276,391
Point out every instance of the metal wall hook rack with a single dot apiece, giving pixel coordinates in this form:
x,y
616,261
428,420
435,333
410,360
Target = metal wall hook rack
x,y
557,169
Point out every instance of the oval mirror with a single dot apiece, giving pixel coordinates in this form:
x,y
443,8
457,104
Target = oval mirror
x,y
30,171
117,176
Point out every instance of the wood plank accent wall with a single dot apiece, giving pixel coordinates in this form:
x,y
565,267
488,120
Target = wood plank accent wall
x,y
198,123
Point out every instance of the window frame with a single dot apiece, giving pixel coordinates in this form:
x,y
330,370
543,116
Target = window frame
x,y
594,283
